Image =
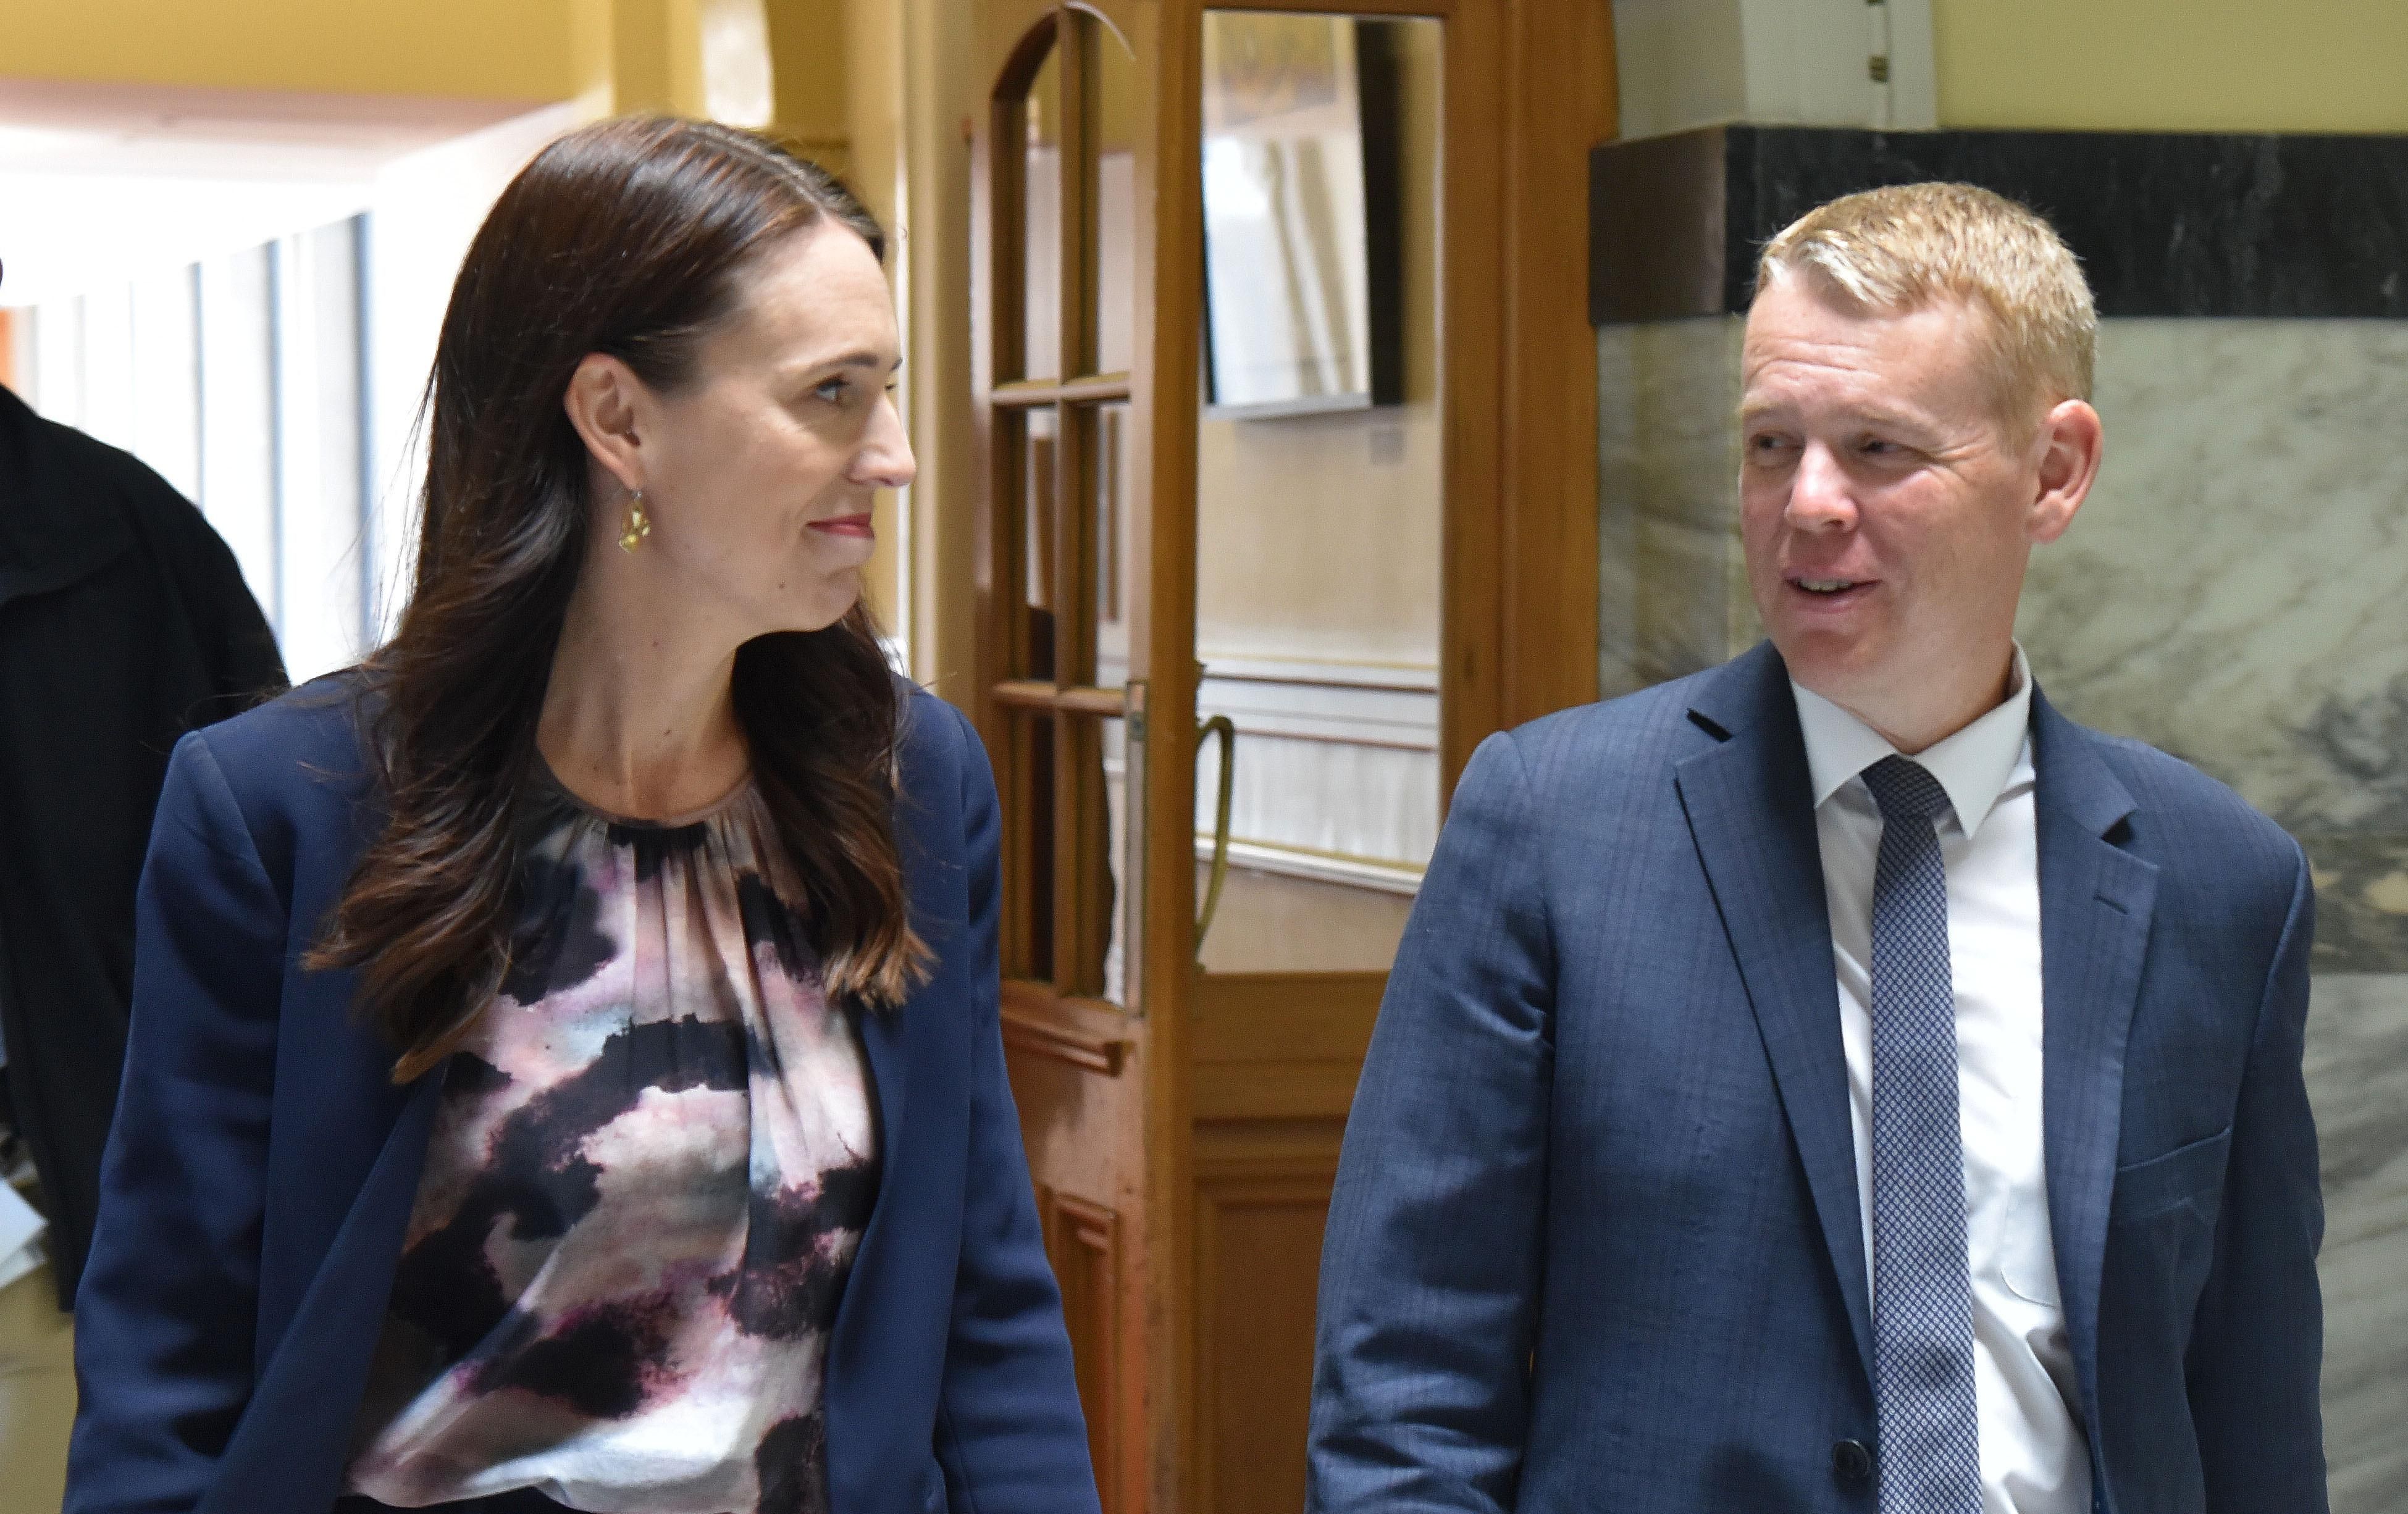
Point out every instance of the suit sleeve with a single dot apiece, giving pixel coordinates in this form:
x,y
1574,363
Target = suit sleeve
x,y
166,1310
1010,1434
2258,1342
1431,1264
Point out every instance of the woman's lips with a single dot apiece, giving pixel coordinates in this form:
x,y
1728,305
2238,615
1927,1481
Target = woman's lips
x,y
846,525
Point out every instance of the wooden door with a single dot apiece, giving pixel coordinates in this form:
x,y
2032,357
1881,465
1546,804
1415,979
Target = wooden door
x,y
1183,1128
1522,89
1087,687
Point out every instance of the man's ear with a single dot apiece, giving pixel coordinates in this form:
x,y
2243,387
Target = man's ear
x,y
604,401
2072,441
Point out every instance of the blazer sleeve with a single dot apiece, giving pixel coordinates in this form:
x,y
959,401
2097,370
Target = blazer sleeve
x,y
166,1310
1431,1264
1010,1435
2257,1341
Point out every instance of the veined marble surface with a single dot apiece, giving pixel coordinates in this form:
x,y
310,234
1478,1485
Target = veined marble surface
x,y
2236,589
1668,485
2357,1080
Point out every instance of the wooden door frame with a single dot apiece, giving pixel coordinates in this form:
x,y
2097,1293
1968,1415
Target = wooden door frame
x,y
1519,539
1162,745
1529,88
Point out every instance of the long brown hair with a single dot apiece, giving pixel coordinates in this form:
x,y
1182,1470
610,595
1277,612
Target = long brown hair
x,y
627,237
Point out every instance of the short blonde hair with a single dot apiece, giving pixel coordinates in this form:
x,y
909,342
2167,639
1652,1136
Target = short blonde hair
x,y
1898,248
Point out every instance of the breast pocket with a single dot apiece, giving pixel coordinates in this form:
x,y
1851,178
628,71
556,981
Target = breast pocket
x,y
2189,1177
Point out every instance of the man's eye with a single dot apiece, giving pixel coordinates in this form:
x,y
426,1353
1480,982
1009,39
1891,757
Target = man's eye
x,y
835,390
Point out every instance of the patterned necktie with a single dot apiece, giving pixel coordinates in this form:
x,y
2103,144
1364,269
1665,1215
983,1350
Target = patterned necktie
x,y
1923,1294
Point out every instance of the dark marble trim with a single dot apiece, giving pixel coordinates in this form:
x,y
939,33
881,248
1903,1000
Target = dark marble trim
x,y
2166,225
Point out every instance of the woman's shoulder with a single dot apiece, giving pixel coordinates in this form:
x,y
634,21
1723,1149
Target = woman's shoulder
x,y
322,723
935,741
297,758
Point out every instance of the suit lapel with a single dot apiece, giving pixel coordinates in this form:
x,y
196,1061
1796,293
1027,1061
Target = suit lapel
x,y
2095,900
1751,810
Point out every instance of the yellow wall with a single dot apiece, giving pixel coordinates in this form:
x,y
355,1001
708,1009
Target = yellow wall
x,y
500,50
806,45
2233,66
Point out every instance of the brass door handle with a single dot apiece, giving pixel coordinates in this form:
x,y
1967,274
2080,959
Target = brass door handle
x,y
1227,729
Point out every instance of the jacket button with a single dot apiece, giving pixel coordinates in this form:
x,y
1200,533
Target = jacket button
x,y
1853,1460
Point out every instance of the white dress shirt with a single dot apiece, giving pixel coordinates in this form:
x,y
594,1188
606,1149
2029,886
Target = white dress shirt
x,y
2035,1456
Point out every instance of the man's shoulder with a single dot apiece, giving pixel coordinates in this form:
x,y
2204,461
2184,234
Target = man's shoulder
x,y
2185,818
1634,736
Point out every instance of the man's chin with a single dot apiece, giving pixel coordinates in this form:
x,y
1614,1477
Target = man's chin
x,y
1823,655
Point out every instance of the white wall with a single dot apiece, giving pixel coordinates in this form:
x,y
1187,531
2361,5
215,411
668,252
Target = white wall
x,y
264,350
426,209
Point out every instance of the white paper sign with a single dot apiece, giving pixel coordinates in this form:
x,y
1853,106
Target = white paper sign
x,y
21,1227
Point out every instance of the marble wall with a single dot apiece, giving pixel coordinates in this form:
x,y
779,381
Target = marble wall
x,y
2235,591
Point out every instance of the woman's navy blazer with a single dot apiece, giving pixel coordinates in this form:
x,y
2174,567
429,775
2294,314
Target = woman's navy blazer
x,y
262,1166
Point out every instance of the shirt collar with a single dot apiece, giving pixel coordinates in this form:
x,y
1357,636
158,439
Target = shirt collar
x,y
1974,765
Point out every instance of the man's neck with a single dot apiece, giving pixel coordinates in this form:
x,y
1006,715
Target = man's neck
x,y
1911,727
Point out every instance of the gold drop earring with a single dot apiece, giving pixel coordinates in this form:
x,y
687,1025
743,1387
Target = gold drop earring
x,y
640,526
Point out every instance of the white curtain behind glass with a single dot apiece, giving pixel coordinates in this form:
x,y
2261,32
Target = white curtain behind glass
x,y
242,381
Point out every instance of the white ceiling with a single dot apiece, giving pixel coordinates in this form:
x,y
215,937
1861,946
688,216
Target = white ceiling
x,y
100,183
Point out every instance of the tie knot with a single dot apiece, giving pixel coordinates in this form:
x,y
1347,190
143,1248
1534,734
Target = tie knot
x,y
1905,790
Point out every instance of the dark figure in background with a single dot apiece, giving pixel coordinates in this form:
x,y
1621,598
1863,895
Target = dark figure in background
x,y
123,624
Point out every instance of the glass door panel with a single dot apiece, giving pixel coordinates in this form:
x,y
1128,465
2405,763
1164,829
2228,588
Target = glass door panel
x,y
1116,100
1320,478
1040,223
1040,539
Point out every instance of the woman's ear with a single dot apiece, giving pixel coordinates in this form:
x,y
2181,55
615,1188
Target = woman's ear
x,y
604,401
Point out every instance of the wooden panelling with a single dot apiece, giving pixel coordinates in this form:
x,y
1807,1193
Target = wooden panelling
x,y
1080,1124
1082,1240
1040,1023
1286,1017
1281,1045
1258,1224
1277,1056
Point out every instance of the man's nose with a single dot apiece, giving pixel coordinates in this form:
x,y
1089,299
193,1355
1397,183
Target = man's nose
x,y
1820,498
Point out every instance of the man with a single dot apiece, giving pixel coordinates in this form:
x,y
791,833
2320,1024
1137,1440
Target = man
x,y
123,622
1836,1081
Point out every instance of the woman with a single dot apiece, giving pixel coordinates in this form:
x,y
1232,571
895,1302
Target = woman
x,y
565,1065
